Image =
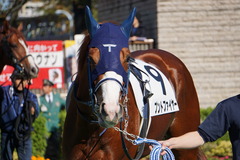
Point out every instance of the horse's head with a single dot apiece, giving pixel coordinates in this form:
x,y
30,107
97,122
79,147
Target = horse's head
x,y
108,52
14,50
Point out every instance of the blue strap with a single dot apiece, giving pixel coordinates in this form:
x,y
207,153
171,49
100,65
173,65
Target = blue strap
x,y
157,149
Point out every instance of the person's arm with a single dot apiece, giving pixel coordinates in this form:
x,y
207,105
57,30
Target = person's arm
x,y
186,141
34,107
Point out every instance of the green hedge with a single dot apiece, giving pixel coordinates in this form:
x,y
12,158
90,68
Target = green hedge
x,y
62,117
40,134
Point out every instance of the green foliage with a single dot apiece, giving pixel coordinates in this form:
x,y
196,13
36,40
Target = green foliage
x,y
39,136
62,116
219,148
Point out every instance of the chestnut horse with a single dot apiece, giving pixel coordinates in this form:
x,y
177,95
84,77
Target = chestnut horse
x,y
14,51
100,98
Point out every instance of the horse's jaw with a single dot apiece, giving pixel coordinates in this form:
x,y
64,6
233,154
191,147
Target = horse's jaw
x,y
109,120
33,68
33,72
28,62
106,124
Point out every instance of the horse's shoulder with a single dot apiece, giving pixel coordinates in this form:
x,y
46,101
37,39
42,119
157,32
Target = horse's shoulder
x,y
160,58
169,64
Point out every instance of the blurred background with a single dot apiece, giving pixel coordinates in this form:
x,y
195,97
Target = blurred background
x,y
203,34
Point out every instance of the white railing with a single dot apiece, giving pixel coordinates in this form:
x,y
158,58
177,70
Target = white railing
x,y
140,45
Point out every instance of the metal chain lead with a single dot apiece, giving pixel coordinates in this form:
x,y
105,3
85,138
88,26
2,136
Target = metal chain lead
x,y
134,137
126,117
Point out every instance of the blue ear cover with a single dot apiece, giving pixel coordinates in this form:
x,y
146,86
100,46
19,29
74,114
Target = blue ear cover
x,y
126,26
91,23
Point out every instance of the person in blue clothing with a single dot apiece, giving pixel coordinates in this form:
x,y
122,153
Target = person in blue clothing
x,y
225,117
18,109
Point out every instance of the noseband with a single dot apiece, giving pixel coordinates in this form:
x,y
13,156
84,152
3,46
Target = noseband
x,y
98,85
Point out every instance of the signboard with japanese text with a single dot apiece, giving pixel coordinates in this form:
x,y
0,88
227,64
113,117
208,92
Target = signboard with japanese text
x,y
71,60
71,56
5,75
49,57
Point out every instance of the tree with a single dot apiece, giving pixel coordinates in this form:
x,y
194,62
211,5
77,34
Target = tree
x,y
77,7
10,7
79,15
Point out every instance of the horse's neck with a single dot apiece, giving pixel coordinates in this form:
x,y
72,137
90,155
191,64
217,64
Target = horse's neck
x,y
3,61
82,82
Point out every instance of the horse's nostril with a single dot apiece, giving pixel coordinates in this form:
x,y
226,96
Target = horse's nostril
x,y
103,105
103,109
34,70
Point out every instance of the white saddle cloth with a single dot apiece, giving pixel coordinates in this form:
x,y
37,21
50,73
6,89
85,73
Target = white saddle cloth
x,y
163,100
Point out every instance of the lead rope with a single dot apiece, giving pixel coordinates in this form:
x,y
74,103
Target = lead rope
x,y
136,140
157,147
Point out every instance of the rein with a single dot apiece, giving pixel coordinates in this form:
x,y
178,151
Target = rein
x,y
87,103
98,85
26,120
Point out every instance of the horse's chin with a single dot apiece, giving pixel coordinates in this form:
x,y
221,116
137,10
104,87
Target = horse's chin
x,y
107,124
33,72
34,76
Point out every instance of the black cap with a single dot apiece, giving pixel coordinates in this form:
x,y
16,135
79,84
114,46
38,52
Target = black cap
x,y
19,74
47,82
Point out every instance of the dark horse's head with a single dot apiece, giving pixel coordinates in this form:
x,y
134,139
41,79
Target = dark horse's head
x,y
14,50
108,52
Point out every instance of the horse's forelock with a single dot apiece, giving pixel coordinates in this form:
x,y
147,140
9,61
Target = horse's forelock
x,y
8,29
18,33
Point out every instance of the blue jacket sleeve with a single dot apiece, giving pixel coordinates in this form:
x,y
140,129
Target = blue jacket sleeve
x,y
216,124
33,101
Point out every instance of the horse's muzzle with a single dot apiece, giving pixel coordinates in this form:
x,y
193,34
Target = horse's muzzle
x,y
109,118
34,72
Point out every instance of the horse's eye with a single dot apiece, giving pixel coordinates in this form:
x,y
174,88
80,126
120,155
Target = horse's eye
x,y
94,55
13,45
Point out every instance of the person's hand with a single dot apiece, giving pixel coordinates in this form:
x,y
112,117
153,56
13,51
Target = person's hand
x,y
133,38
187,141
32,110
165,144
